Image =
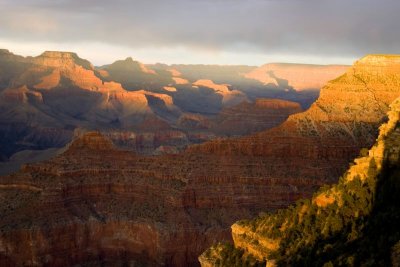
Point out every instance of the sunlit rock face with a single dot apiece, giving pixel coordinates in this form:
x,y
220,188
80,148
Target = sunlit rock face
x,y
119,207
297,76
61,60
320,141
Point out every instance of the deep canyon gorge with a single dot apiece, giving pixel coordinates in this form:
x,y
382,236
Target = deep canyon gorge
x,y
152,164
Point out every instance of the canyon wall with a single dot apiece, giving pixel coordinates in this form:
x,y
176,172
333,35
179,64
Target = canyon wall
x,y
352,223
58,93
123,207
321,141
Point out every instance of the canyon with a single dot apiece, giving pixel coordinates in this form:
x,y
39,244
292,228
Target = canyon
x,y
149,109
352,223
95,203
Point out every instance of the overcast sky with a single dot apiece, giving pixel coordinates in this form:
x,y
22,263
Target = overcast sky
x,y
250,32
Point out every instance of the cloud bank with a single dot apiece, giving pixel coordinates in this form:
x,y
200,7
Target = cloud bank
x,y
286,28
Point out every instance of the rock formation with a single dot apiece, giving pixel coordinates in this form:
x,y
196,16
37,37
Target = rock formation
x,y
59,92
229,97
94,206
177,77
293,82
102,205
320,141
134,75
246,118
352,223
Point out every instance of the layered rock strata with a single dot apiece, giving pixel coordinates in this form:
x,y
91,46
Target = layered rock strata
x,y
320,142
340,225
165,210
96,204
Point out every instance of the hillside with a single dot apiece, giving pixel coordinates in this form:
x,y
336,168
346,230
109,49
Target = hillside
x,y
352,223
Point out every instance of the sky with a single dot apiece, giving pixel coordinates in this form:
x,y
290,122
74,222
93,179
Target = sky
x,y
251,32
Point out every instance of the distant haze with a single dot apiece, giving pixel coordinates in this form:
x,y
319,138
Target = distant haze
x,y
251,32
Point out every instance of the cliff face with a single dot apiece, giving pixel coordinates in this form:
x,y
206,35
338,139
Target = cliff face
x,y
62,60
96,204
351,223
321,141
247,118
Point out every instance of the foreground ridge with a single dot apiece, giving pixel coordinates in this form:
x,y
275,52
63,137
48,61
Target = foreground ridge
x,y
351,223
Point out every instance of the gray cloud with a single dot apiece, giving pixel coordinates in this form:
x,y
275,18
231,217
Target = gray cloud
x,y
315,27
